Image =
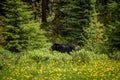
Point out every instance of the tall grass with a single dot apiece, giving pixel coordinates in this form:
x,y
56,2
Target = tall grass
x,y
44,65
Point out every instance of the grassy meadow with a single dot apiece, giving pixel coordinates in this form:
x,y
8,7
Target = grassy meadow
x,y
44,65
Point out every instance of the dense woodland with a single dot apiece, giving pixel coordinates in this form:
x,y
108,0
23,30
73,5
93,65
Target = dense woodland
x,y
29,24
32,26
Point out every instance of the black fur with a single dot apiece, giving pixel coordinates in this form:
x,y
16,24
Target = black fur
x,y
63,47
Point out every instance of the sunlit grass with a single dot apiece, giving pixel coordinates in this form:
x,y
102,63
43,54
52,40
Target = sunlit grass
x,y
54,70
41,65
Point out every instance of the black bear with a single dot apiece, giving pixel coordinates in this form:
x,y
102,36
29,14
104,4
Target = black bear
x,y
63,47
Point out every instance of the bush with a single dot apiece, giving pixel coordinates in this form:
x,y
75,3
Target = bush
x,y
29,37
95,38
20,31
115,55
6,58
44,55
87,56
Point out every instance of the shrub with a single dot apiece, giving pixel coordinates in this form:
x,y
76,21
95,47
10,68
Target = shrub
x,y
95,38
6,58
20,31
43,55
87,56
115,55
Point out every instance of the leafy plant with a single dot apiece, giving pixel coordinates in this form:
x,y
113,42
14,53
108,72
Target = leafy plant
x,y
87,56
115,55
21,33
95,38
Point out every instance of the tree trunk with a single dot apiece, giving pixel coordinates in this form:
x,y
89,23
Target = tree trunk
x,y
44,11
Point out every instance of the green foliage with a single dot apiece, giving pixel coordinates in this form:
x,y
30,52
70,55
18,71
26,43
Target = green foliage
x,y
113,29
59,66
109,15
45,55
75,17
40,56
6,58
87,56
20,31
115,55
95,38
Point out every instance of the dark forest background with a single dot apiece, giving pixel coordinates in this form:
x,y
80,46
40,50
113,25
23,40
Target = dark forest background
x,y
93,25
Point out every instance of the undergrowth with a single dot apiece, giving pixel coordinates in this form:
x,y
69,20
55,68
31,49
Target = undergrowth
x,y
46,65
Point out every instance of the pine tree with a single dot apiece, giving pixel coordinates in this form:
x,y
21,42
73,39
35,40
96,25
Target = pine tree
x,y
113,26
75,17
20,31
109,15
95,38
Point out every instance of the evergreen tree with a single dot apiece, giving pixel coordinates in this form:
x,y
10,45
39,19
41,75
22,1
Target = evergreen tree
x,y
109,15
75,17
95,38
20,31
113,26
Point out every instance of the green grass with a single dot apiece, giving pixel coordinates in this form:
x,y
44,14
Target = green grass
x,y
41,65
